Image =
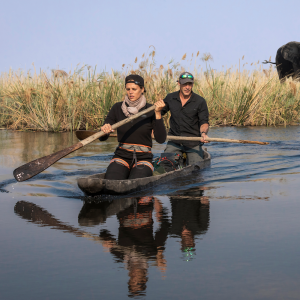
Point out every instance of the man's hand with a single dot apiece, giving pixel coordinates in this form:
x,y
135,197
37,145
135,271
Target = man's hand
x,y
204,130
204,136
107,128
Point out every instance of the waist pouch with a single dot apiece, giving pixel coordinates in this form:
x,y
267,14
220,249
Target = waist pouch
x,y
135,147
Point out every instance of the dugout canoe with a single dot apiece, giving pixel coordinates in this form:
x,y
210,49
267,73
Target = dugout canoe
x,y
97,185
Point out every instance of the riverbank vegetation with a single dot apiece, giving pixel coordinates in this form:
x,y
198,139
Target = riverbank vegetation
x,y
80,99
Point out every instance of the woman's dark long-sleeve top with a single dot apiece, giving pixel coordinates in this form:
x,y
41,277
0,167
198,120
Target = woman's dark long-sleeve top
x,y
138,131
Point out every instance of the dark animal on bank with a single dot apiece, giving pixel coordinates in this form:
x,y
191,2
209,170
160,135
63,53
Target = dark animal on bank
x,y
288,61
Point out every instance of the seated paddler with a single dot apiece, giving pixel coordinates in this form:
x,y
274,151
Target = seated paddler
x,y
133,157
189,118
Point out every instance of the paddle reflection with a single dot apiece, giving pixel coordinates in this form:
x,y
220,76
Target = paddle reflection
x,y
137,245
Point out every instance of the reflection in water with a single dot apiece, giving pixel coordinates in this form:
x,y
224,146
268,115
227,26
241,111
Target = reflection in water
x,y
189,219
137,245
237,259
38,143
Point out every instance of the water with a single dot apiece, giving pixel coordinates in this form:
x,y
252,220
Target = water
x,y
228,232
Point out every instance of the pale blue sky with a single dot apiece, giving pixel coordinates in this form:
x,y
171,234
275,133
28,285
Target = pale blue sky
x,y
109,33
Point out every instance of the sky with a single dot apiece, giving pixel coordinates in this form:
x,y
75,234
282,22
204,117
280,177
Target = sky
x,y
62,34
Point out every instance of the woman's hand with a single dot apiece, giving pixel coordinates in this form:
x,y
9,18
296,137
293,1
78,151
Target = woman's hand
x,y
107,128
160,104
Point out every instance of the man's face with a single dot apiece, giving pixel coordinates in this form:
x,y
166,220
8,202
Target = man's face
x,y
186,88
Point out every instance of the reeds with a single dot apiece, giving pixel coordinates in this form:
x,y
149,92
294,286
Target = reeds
x,y
80,100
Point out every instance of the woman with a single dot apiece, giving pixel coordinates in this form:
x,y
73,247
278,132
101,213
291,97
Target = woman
x,y
133,157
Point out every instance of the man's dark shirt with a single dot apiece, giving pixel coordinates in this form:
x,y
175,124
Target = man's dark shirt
x,y
186,120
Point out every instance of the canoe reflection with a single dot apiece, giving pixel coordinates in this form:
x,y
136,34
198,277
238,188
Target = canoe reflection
x,y
138,244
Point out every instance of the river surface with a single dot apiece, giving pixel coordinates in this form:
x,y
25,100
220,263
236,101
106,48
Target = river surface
x,y
231,231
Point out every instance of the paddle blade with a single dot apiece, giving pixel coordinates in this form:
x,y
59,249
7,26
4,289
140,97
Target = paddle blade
x,y
39,165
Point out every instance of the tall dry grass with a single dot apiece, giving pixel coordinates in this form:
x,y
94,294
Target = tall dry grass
x,y
63,101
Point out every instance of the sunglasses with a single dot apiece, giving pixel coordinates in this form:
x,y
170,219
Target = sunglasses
x,y
187,76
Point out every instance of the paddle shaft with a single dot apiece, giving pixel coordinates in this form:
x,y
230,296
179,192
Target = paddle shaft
x,y
37,166
82,134
187,138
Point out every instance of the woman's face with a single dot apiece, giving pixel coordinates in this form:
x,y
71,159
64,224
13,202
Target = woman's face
x,y
134,91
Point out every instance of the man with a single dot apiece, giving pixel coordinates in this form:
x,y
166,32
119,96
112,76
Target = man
x,y
189,117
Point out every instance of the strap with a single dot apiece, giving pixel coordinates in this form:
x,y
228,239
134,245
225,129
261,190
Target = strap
x,y
120,161
144,163
135,147
134,159
165,159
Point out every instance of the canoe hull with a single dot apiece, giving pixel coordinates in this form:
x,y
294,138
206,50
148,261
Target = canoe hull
x,y
96,184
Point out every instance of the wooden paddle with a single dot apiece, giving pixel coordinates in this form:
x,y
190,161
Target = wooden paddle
x,y
37,166
187,138
83,134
